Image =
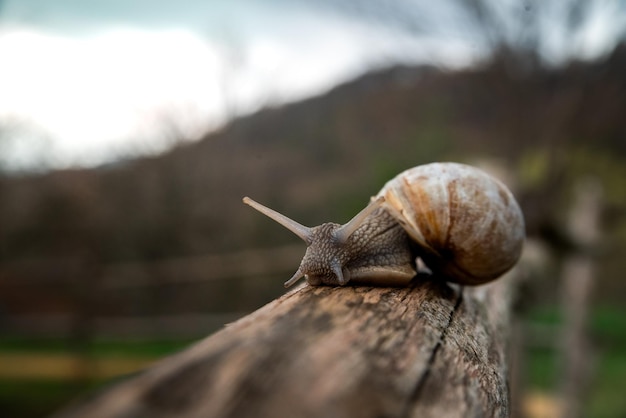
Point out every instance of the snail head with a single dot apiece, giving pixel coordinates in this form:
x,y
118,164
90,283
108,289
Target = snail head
x,y
327,245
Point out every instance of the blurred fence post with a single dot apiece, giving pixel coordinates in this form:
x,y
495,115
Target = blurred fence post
x,y
84,275
577,283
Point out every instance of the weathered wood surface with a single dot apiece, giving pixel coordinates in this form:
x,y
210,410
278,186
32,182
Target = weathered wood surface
x,y
427,350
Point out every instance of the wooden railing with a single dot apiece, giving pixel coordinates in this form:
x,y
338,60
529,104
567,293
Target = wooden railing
x,y
426,350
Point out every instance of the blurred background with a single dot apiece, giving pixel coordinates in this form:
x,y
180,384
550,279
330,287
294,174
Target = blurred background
x,y
129,132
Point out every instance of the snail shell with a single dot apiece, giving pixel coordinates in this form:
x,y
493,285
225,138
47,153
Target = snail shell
x,y
464,224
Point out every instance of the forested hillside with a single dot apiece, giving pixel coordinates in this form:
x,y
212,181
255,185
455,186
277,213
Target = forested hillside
x,y
321,159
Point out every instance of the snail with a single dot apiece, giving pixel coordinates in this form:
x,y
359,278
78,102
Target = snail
x,y
464,225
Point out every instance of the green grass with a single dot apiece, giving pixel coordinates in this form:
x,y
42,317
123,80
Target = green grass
x,y
37,398
26,399
607,329
96,348
607,397
542,369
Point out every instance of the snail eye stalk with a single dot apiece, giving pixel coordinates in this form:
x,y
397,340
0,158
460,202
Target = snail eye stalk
x,y
302,231
345,231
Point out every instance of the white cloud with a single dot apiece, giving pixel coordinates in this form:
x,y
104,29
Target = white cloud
x,y
97,94
101,89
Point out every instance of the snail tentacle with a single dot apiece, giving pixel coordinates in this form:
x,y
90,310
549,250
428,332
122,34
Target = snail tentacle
x,y
300,230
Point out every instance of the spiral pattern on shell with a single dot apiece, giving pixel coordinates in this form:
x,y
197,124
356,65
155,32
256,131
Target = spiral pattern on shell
x,y
466,224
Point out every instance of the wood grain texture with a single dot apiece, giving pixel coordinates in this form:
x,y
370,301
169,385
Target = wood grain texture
x,y
418,351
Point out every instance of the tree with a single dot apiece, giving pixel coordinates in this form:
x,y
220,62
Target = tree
x,y
528,34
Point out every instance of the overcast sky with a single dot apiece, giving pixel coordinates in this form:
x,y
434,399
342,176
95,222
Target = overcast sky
x,y
83,82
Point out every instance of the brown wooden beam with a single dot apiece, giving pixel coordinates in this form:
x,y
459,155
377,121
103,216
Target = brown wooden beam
x,y
427,350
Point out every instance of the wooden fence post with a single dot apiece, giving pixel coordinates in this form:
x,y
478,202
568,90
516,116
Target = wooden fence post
x,y
576,288
427,350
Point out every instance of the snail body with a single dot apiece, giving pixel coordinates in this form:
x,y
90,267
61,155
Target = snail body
x,y
461,222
